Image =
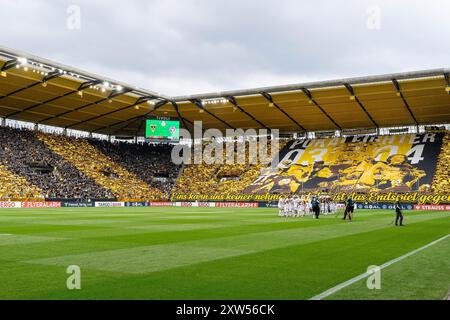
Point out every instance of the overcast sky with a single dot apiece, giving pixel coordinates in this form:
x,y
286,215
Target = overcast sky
x,y
198,46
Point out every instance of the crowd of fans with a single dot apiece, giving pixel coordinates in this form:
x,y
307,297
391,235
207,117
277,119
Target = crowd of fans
x,y
441,182
26,156
152,163
207,178
125,186
13,187
34,165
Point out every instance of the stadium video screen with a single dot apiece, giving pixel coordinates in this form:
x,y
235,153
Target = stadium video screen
x,y
162,129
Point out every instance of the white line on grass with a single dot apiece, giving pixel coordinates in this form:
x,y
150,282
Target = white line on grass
x,y
365,274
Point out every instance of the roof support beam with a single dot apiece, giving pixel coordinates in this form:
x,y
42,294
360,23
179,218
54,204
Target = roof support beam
x,y
199,105
142,117
20,90
138,101
73,110
9,64
115,93
88,84
310,97
400,94
137,130
51,75
48,77
82,87
354,97
269,98
233,101
177,110
185,120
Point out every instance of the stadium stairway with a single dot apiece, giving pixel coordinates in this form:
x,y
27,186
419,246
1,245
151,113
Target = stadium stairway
x,y
99,167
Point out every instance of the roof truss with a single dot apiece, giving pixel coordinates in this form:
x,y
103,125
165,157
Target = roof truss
x,y
400,94
199,105
269,98
233,101
354,97
313,101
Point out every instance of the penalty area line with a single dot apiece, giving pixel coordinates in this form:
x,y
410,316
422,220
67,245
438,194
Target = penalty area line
x,y
347,283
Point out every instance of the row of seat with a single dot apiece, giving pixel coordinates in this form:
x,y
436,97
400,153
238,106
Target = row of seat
x,y
441,182
14,187
125,185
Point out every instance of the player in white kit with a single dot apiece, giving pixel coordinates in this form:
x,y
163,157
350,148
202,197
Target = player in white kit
x,y
281,207
295,204
300,208
308,208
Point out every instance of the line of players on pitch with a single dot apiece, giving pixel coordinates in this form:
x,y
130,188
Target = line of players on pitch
x,y
295,206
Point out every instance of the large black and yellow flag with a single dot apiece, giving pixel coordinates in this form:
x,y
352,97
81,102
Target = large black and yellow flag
x,y
397,163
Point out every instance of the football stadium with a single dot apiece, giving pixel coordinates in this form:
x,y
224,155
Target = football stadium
x,y
335,189
87,180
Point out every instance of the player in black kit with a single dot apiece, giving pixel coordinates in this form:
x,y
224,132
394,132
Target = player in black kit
x,y
398,214
349,208
315,206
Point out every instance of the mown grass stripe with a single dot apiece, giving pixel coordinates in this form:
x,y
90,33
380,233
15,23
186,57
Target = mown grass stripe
x,y
347,283
147,259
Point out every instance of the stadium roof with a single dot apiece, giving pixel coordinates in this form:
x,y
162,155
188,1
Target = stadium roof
x,y
44,92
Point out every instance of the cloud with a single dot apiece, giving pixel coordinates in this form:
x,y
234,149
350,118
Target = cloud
x,y
195,46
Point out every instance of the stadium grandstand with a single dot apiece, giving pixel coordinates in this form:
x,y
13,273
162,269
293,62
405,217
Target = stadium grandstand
x,y
67,134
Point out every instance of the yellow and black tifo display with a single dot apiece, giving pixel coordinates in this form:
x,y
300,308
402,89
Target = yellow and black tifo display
x,y
38,166
373,168
398,163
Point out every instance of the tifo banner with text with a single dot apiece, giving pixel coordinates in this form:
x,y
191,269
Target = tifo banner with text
x,y
397,163
340,197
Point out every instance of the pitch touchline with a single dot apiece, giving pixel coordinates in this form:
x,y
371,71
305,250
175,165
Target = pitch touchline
x,y
365,274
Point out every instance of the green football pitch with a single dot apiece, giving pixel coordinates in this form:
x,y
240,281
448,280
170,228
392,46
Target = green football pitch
x,y
218,253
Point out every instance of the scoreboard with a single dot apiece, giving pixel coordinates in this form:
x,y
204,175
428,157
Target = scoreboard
x,y
162,129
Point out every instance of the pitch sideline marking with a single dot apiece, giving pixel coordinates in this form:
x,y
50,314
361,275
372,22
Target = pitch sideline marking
x,y
347,283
